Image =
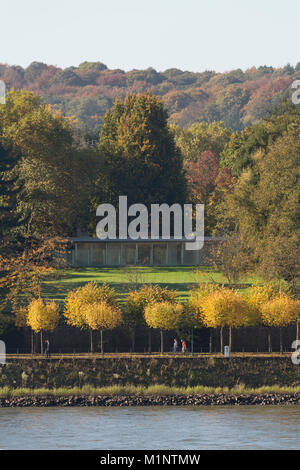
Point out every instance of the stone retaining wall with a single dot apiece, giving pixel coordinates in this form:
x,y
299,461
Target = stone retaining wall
x,y
177,371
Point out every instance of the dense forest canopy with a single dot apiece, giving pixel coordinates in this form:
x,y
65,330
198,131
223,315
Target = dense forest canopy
x,y
238,98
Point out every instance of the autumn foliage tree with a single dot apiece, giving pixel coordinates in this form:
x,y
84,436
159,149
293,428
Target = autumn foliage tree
x,y
281,311
51,169
164,316
78,300
267,221
225,308
137,145
42,316
259,296
201,176
194,306
102,316
137,301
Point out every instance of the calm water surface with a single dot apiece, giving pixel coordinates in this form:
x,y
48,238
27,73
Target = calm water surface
x,y
245,427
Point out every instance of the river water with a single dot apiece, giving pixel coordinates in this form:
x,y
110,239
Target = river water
x,y
228,427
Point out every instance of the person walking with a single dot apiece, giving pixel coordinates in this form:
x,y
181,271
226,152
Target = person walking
x,y
47,349
175,346
183,346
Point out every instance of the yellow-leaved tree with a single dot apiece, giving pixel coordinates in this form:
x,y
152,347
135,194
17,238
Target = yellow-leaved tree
x,y
260,295
281,311
165,316
136,303
225,308
102,316
77,301
194,306
42,316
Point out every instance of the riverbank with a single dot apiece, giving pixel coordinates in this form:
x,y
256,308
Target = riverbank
x,y
151,396
155,400
208,371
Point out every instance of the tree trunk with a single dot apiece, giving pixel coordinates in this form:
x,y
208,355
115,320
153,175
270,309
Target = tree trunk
x,y
230,338
32,342
269,342
280,340
41,334
149,340
91,341
101,341
132,339
161,341
297,332
210,340
221,340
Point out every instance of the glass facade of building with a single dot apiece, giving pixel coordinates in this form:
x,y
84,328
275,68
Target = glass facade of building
x,y
142,253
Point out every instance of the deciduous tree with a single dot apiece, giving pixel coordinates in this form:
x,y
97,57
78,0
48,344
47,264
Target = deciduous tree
x,y
102,316
42,316
165,316
281,311
224,308
89,294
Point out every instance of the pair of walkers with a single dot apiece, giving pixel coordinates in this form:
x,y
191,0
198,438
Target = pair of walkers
x,y
175,345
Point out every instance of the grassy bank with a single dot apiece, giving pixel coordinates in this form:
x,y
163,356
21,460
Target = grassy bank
x,y
159,390
179,278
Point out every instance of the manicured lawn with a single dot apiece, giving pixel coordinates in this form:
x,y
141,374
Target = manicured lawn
x,y
124,279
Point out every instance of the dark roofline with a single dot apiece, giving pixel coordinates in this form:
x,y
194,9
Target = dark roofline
x,y
128,240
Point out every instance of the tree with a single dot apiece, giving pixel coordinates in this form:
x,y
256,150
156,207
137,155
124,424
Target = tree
x,y
201,137
225,308
9,219
78,300
165,316
260,295
267,222
136,303
194,306
102,316
201,176
55,176
134,313
281,311
9,189
232,257
238,154
24,268
42,316
34,70
137,145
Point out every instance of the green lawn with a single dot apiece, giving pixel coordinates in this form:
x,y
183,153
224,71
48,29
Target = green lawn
x,y
180,278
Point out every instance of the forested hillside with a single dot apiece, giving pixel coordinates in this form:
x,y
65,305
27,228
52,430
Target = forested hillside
x,y
238,98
